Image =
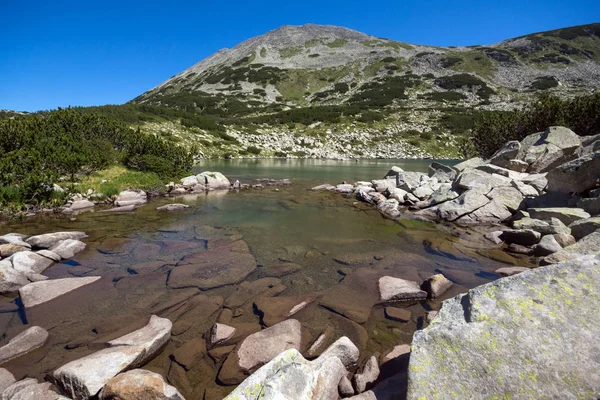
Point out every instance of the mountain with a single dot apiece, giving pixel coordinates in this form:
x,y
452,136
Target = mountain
x,y
333,84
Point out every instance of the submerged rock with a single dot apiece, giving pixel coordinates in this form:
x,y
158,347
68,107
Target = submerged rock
x,y
25,342
527,327
396,289
436,285
173,207
225,265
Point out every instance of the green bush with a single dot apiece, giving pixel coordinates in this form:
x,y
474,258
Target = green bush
x,y
38,149
253,150
493,129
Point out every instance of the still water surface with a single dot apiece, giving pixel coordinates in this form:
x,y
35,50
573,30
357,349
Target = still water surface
x,y
342,247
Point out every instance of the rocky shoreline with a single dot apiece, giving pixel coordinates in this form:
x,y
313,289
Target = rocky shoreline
x,y
528,335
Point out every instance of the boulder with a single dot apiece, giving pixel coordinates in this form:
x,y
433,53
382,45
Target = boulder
x,y
14,238
290,376
538,181
260,348
369,374
583,227
11,279
25,342
398,350
546,150
506,153
173,207
452,210
30,262
276,309
525,189
48,240
443,173
436,285
190,353
509,197
84,377
213,180
575,176
396,289
40,292
393,173
564,240
549,227
124,209
7,250
139,384
343,349
6,379
566,215
223,265
546,246
590,205
589,244
68,248
517,165
409,181
345,387
474,178
389,208
344,188
78,205
319,345
29,389
189,181
49,254
527,327
470,163
397,194
220,333
524,237
494,237
325,186
131,198
397,314
382,185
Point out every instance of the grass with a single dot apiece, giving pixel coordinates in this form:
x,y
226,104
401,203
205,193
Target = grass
x,y
119,178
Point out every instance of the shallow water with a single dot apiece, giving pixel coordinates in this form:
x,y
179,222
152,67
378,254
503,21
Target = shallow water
x,y
342,246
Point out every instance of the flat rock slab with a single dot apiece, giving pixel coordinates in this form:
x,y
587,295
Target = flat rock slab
x,y
397,314
536,330
173,207
509,271
48,240
25,342
40,292
83,378
124,209
396,289
225,265
190,353
566,215
247,291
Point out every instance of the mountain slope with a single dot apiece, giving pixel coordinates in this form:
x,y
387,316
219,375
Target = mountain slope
x,y
348,77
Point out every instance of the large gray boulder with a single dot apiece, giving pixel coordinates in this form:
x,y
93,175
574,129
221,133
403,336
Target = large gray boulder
x,y
583,227
548,227
68,248
25,342
40,292
48,240
531,335
290,376
409,181
464,204
547,150
29,389
11,279
590,244
567,215
443,173
213,180
131,198
591,205
139,384
29,262
475,178
576,176
6,379
260,348
470,163
508,152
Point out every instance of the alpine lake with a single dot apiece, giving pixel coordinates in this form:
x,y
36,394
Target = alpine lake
x,y
342,248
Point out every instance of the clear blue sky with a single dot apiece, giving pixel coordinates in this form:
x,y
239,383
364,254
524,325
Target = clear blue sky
x,y
60,53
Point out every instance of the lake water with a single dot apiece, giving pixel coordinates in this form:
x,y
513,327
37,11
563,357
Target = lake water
x,y
342,247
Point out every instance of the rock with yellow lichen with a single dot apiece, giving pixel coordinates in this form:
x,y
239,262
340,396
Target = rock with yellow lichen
x,y
532,335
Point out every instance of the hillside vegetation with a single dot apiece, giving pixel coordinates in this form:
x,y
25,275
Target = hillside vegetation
x,y
39,150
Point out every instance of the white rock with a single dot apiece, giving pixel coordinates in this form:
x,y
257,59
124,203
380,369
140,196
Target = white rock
x,y
68,248
396,289
40,292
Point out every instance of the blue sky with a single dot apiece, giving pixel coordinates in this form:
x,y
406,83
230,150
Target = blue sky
x,y
107,52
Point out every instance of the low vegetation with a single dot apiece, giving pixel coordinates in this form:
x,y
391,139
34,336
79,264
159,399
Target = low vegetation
x,y
492,129
39,150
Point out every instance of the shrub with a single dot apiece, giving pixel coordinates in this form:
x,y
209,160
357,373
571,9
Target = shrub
x,y
492,129
253,150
